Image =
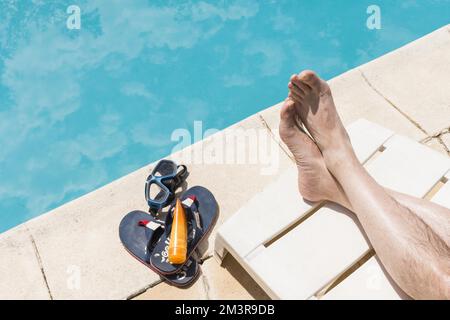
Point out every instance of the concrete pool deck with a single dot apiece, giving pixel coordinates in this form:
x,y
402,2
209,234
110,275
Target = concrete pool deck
x,y
73,252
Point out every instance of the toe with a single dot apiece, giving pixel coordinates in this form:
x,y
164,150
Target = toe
x,y
287,113
298,91
310,78
296,97
301,85
288,127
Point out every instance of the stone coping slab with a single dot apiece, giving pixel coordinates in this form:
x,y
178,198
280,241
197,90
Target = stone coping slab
x,y
415,80
20,271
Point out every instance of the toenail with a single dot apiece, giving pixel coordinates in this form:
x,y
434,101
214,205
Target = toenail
x,y
308,76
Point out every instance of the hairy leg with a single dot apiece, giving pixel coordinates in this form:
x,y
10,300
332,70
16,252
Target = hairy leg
x,y
316,183
409,235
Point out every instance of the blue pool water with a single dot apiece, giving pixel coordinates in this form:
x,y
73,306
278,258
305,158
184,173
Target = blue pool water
x,y
82,107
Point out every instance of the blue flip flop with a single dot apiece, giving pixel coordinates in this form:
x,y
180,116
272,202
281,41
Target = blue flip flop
x,y
140,233
202,211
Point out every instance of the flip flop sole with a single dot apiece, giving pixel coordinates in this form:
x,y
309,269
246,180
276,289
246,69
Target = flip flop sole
x,y
135,239
209,212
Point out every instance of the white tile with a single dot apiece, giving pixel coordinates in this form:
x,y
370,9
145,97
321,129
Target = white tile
x,y
365,135
310,255
408,166
20,273
369,282
442,197
415,79
265,215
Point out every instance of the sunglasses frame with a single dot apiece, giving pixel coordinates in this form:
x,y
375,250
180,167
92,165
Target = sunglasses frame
x,y
168,192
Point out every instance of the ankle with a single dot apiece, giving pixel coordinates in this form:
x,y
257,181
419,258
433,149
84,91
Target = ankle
x,y
342,160
337,195
342,200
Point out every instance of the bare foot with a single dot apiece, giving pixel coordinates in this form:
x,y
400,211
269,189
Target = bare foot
x,y
317,111
315,182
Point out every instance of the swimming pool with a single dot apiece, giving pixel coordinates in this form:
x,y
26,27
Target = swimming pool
x,y
83,104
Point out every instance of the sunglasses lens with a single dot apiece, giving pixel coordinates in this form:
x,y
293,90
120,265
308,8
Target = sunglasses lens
x,y
162,182
156,193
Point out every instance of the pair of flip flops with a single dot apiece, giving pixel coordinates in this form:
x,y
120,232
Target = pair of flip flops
x,y
147,238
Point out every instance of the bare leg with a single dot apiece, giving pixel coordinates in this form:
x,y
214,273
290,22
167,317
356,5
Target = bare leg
x,y
435,216
409,235
316,183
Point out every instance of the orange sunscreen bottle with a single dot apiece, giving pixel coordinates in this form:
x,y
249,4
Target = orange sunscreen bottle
x,y
178,236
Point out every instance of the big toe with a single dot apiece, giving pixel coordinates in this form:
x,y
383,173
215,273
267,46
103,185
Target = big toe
x,y
288,128
290,132
310,78
287,114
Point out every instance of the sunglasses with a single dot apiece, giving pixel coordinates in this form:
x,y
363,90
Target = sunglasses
x,y
162,183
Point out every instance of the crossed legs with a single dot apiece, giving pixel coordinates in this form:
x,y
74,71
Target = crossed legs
x,y
411,236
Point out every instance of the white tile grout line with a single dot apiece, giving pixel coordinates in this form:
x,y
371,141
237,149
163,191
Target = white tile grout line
x,y
439,134
39,260
439,139
428,137
266,125
144,289
206,287
154,284
415,123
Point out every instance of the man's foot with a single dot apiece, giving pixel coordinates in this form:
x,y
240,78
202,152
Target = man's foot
x,y
315,182
317,111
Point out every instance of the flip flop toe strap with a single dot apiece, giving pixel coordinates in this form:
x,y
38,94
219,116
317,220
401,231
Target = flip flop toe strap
x,y
195,220
155,228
